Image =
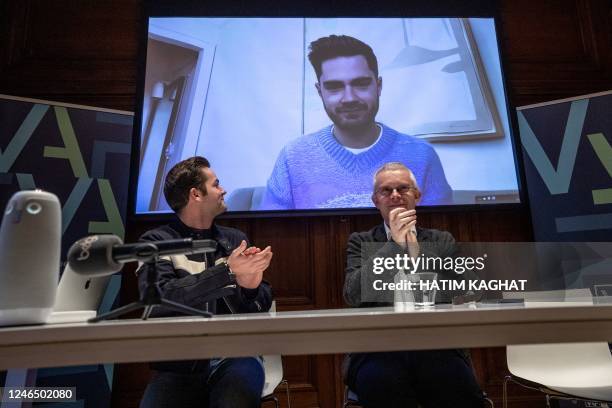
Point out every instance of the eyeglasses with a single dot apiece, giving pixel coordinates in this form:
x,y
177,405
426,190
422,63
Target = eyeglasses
x,y
401,190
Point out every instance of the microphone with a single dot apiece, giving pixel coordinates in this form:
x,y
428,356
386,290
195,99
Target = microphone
x,y
99,255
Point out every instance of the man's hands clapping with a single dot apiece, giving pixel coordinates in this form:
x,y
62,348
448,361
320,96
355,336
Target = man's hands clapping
x,y
402,223
248,264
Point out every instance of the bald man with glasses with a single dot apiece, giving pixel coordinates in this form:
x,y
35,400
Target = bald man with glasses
x,y
430,378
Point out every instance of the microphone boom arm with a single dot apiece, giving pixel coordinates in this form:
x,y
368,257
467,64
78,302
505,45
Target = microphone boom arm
x,y
152,297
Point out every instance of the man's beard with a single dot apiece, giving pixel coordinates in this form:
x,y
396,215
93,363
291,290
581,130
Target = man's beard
x,y
367,116
221,208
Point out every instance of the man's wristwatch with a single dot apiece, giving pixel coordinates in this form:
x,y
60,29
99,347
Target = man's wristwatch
x,y
232,275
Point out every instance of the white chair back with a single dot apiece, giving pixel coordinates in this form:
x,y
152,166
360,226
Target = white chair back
x,y
273,368
580,369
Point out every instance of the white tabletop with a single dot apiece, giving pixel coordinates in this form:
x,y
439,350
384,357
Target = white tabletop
x,y
303,332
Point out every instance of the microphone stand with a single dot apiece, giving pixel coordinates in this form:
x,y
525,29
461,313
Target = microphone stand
x,y
152,295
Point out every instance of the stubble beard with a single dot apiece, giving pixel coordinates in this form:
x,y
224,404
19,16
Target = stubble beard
x,y
350,125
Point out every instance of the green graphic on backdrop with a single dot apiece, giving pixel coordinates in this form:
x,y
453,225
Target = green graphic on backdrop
x,y
114,225
70,151
604,153
32,139
571,202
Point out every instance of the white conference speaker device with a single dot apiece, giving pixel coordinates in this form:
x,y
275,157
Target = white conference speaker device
x,y
30,246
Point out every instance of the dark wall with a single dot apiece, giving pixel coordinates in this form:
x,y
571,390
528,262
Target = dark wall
x,y
85,52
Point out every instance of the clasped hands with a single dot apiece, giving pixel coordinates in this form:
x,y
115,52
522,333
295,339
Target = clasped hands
x,y
402,223
249,264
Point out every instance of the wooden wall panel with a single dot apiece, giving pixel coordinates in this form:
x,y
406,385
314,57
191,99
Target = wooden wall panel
x,y
81,52
293,284
85,52
557,49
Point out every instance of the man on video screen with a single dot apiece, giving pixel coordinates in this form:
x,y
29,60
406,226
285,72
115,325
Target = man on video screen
x,y
333,167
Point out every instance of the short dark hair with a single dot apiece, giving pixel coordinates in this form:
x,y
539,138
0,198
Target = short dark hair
x,y
326,48
181,178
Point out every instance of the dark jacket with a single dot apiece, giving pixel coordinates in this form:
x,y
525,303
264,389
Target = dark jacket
x,y
431,242
202,281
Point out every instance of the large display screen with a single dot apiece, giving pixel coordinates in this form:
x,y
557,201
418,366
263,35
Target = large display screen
x,y
295,114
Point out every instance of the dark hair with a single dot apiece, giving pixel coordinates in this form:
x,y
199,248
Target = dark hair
x,y
326,48
181,178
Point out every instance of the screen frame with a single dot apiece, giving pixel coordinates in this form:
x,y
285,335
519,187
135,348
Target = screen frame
x,y
317,8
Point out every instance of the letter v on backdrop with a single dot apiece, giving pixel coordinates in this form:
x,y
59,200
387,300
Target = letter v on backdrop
x,y
572,200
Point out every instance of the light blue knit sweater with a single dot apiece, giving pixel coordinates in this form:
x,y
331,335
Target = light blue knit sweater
x,y
315,171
